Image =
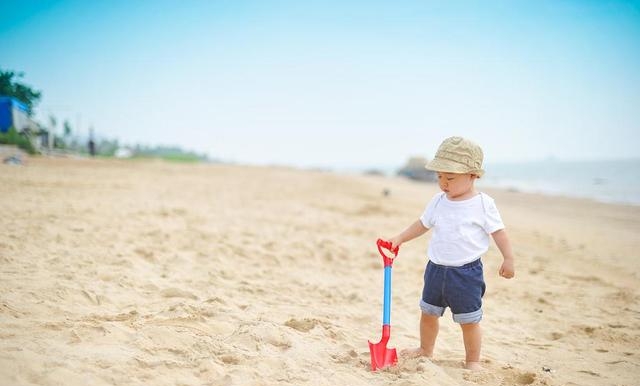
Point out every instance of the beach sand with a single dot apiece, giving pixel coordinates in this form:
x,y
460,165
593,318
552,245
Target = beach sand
x,y
122,272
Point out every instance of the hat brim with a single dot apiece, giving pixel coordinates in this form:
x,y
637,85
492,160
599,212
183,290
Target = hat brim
x,y
448,166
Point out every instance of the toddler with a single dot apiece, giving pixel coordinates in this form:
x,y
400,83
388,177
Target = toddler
x,y
462,220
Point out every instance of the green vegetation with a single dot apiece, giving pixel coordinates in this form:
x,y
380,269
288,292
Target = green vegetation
x,y
23,93
167,153
108,148
12,137
68,142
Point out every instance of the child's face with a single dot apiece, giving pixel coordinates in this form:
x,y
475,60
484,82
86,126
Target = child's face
x,y
457,186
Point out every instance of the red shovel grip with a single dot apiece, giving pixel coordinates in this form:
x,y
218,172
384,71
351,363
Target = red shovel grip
x,y
388,261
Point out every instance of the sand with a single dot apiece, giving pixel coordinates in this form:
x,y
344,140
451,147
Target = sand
x,y
153,273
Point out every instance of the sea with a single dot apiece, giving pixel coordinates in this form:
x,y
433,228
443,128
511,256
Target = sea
x,y
609,181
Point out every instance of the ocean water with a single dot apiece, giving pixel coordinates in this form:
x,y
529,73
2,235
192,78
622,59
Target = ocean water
x,y
611,181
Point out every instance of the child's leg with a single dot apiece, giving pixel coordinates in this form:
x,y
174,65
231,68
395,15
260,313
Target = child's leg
x,y
472,335
429,327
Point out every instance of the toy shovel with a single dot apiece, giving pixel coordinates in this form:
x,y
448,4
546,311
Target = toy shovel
x,y
381,356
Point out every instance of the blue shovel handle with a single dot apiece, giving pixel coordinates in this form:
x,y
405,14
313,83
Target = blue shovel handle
x,y
388,264
386,305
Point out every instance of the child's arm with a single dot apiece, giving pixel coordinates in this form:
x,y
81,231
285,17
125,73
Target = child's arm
x,y
507,269
414,230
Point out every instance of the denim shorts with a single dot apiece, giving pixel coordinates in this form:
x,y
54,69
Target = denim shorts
x,y
459,288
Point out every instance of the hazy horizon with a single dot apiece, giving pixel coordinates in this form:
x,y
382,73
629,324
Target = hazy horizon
x,y
337,84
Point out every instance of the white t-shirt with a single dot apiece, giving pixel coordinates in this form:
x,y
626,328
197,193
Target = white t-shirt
x,y
461,229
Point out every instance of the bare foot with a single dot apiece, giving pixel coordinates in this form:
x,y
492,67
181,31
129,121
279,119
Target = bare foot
x,y
415,353
473,366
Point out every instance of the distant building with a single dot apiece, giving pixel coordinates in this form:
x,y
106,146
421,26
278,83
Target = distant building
x,y
15,113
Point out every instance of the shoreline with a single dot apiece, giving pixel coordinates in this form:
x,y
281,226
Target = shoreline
x,y
590,179
560,194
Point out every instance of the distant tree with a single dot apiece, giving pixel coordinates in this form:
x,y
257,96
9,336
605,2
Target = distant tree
x,y
53,122
67,129
20,91
107,147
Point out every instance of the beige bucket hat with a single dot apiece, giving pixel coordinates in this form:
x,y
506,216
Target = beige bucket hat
x,y
457,155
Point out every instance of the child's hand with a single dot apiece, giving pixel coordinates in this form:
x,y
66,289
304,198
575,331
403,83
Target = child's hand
x,y
507,270
395,242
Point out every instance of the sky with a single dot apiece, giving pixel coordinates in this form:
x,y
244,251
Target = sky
x,y
336,84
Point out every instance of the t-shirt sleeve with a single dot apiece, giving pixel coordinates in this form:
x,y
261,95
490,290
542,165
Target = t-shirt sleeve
x,y
427,217
493,221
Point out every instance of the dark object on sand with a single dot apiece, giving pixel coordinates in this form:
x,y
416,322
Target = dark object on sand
x,y
414,169
13,160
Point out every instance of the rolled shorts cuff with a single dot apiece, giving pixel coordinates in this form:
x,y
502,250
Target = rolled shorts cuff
x,y
469,317
430,309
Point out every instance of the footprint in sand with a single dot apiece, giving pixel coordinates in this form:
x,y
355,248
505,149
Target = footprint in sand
x,y
520,378
146,254
230,359
307,324
177,293
350,356
302,325
525,378
556,335
272,336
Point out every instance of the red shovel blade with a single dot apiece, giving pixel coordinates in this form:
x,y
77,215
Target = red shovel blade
x,y
381,356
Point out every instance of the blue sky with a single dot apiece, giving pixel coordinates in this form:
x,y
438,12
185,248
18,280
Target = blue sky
x,y
341,84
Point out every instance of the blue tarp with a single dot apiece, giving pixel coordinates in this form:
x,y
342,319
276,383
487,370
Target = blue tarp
x,y
7,105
